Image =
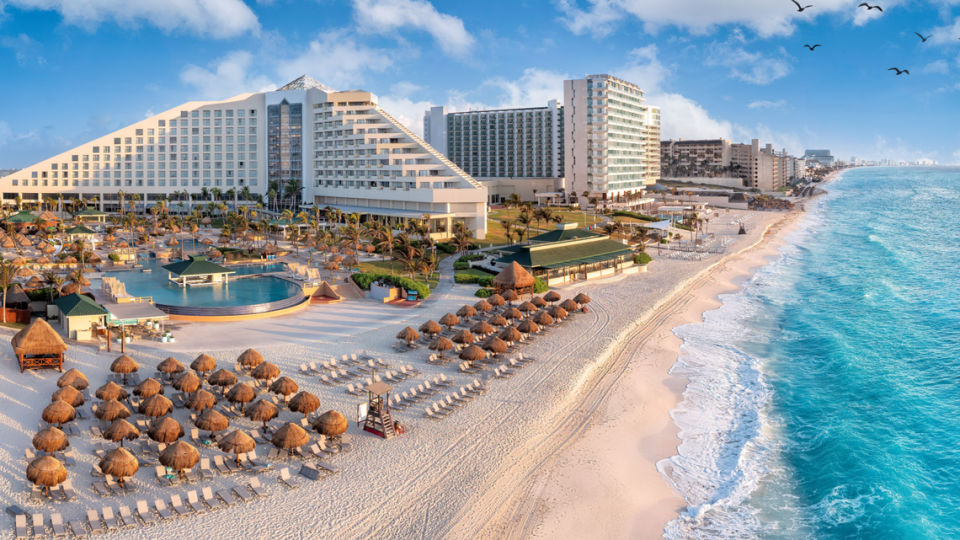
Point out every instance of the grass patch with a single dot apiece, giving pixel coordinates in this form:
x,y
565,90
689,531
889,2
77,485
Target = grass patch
x,y
475,272
13,325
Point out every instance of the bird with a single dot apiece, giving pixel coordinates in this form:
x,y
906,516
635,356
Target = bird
x,y
869,7
800,9
899,71
812,48
924,38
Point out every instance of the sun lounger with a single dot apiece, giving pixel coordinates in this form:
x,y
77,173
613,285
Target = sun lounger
x,y
101,489
36,496
258,464
210,500
177,504
56,521
310,472
38,527
220,465
145,514
112,484
286,480
190,475
77,528
21,527
440,411
162,479
206,472
428,412
93,519
195,503
227,497
109,519
126,518
257,487
67,488
162,510
327,466
243,493
354,391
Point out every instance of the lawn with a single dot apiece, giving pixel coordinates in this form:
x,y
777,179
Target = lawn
x,y
474,272
383,267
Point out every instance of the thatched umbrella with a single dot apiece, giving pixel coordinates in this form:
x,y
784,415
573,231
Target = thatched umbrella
x,y
431,327
539,302
111,410
69,394
498,321
34,283
109,238
514,277
237,442
23,272
8,243
149,387
482,328
527,327
204,364
50,440
466,312
188,382
472,353
94,259
463,337
544,319
124,365
119,430
284,386
207,241
569,305
155,406
212,421
179,456
119,463
552,297
170,366
69,289
289,437
173,242
265,372
495,345
19,261
304,403
214,254
557,312
528,307
449,320
49,249
47,472
70,260
241,393
201,400
222,378
510,334
408,334
73,377
581,299
43,260
250,359
331,424
512,313
58,412
496,300
262,411
482,306
165,430
123,244
510,295
441,344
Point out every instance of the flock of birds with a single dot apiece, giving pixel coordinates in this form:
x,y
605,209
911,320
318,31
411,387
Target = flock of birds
x,y
869,7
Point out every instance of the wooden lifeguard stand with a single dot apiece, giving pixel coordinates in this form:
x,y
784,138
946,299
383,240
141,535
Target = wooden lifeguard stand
x,y
379,421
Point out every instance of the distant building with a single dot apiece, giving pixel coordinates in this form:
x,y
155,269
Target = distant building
x,y
925,161
7,172
695,157
822,156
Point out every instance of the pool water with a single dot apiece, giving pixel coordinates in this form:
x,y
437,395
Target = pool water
x,y
236,292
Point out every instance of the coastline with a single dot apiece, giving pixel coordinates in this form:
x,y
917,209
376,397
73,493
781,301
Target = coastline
x,y
607,483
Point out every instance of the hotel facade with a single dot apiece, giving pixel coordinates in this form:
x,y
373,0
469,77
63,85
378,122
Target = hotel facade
x,y
339,147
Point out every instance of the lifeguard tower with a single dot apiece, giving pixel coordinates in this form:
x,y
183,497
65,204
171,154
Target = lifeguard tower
x,y
379,421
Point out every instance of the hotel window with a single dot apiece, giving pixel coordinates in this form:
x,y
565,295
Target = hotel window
x,y
195,114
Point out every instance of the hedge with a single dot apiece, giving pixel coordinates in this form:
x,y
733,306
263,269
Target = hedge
x,y
471,257
485,281
446,248
642,258
465,278
114,257
540,286
634,215
461,265
364,280
483,293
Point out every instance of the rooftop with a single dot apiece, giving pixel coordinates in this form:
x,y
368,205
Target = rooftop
x,y
22,216
567,253
79,229
78,305
305,82
198,265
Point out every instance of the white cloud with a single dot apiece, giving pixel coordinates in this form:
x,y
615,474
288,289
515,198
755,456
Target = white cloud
x,y
684,117
224,77
751,67
644,69
337,59
214,18
780,141
761,104
149,113
27,50
389,16
8,136
533,89
940,66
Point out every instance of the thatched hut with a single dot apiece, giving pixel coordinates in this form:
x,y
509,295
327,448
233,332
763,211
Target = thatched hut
x,y
512,314
170,366
304,403
331,424
449,320
463,337
528,307
69,394
440,345
111,410
430,327
284,386
149,387
39,346
466,312
581,299
482,306
265,372
222,378
119,463
58,412
557,312
201,400
204,364
46,471
482,328
472,353
237,442
511,335
250,359
499,321
552,297
179,456
165,430
527,327
124,365
290,436
539,302
241,393
495,345
212,421
510,296
496,300
187,383
569,305
514,278
262,411
408,335
155,406
119,430
50,440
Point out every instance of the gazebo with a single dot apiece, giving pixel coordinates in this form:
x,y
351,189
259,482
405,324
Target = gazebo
x,y
39,346
379,421
79,232
514,278
197,271
91,214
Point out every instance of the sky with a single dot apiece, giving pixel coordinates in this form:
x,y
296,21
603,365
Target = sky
x,y
74,70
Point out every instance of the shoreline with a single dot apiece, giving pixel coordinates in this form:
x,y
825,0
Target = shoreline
x,y
621,493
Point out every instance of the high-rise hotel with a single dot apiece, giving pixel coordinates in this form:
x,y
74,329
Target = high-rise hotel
x,y
341,147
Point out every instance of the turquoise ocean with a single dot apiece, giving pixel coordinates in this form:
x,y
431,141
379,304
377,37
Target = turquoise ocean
x,y
824,397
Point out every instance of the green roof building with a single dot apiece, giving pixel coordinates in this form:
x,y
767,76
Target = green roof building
x,y
77,314
197,271
91,214
22,218
80,230
570,260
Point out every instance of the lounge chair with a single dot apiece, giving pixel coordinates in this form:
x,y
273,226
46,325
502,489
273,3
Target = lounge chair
x,y
177,505
227,497
162,479
67,488
127,518
428,412
286,480
309,471
258,464
243,493
145,514
109,519
21,526
162,509
220,465
38,528
327,466
70,458
77,528
101,489
205,471
257,487
190,475
29,455
211,501
273,454
56,521
440,411
315,369
354,391
112,484
93,519
195,503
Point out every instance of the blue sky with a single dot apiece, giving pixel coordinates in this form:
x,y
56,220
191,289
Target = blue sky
x,y
73,70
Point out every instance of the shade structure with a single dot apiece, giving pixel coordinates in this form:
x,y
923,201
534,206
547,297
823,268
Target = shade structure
x,y
46,472
34,283
527,327
581,299
171,366
512,313
123,244
69,394
552,296
120,463
112,409
482,328
539,302
119,430
463,337
284,386
290,436
69,289
557,312
69,260
250,359
19,261
498,321
187,382
449,320
430,327
569,305
331,424
50,440
408,334
528,307
44,260
544,319
111,390
466,312
262,411
265,372
472,353
441,344
201,400
222,378
179,456
212,420
155,406
124,365
510,295
496,300
58,412
514,277
165,430
495,345
510,334
241,393
482,306
304,403
204,364
149,387
237,442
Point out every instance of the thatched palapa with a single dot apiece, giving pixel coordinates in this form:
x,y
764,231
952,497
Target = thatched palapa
x,y
449,320
495,345
119,430
179,456
69,394
147,388
463,337
237,442
331,424
201,400
39,346
155,406
284,386
290,436
265,372
511,335
514,278
51,440
212,421
304,403
204,364
119,463
472,353
552,296
408,334
188,383
250,359
165,430
124,365
440,345
112,409
241,393
170,366
466,312
222,378
46,472
430,327
58,412
262,411
482,328
527,327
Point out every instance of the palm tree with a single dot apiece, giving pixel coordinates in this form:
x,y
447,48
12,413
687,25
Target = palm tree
x,y
513,200
639,237
7,273
56,282
525,219
507,225
77,277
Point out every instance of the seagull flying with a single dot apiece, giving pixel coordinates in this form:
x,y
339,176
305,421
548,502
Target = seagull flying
x,y
924,38
899,71
869,7
812,48
800,9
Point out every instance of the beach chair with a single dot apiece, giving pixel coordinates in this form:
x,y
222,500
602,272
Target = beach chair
x,y
93,519
162,509
205,471
101,489
305,370
220,465
56,522
327,466
440,411
29,455
354,391
38,527
314,369
258,464
286,480
226,497
328,380
273,454
190,475
126,518
309,471
67,488
210,500
257,487
443,381
162,479
77,528
507,370
429,390
70,458
177,504
453,400
36,496
111,483
243,493
109,519
195,503
21,526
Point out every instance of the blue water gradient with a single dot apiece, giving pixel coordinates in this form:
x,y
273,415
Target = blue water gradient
x,y
833,412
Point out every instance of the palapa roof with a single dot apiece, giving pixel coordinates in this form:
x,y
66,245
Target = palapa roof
x,y
566,253
155,406
331,424
50,440
121,429
513,277
472,353
441,344
179,456
408,334
262,411
111,410
237,442
165,430
290,436
80,229
124,364
78,305
38,338
304,403
201,400
198,265
222,377
204,362
149,387
69,394
171,365
111,390
120,462
16,295
250,358
58,412
46,471
241,393
431,327
188,382
495,345
284,386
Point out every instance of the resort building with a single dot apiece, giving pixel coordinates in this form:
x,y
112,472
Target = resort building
x,y
77,314
695,157
824,157
197,271
321,147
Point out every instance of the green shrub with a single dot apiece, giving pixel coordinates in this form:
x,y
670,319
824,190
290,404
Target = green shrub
x,y
114,257
684,227
634,215
473,246
471,257
540,286
364,280
642,258
465,278
39,295
461,266
485,281
483,293
446,248
663,240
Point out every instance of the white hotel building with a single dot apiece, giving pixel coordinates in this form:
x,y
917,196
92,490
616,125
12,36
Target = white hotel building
x,y
347,152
